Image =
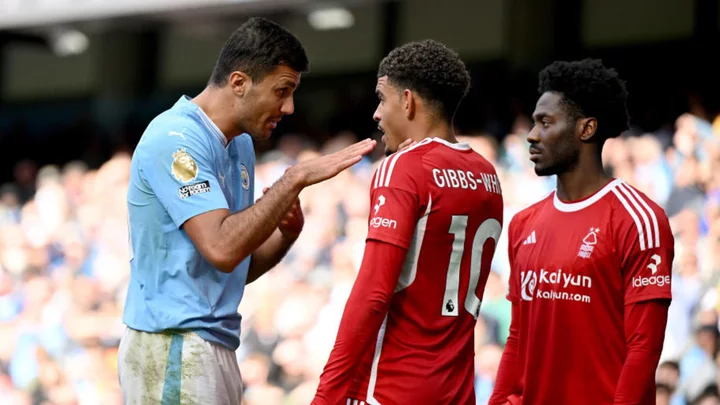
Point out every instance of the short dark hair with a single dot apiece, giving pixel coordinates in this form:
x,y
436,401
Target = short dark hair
x,y
589,89
670,364
257,48
706,328
431,69
710,391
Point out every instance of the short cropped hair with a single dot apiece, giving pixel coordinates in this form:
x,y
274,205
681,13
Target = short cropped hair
x,y
589,89
670,364
431,69
256,48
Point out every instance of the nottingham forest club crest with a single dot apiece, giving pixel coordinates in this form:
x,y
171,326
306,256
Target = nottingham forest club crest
x,y
588,243
184,167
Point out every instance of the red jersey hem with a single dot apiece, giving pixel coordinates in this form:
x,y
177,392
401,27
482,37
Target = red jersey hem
x,y
395,241
648,297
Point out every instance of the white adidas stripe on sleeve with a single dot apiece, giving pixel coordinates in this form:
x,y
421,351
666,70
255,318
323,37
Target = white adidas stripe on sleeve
x,y
653,217
644,217
380,175
385,171
634,217
646,222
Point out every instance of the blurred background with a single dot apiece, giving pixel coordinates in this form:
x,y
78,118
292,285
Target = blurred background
x,y
80,80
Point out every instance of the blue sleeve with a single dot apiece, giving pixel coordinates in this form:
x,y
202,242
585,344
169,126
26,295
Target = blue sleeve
x,y
179,167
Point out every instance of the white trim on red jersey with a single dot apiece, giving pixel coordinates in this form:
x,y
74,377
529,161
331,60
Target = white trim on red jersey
x,y
645,219
643,231
656,229
384,172
647,230
409,271
376,360
407,276
458,146
383,177
637,207
634,217
572,207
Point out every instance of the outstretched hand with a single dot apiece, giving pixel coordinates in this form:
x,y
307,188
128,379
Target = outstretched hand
x,y
324,167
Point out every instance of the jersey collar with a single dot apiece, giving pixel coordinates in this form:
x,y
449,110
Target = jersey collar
x,y
458,146
209,124
577,206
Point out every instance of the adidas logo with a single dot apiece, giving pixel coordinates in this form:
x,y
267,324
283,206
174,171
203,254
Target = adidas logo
x,y
530,239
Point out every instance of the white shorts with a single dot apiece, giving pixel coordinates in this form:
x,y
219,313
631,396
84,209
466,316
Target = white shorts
x,y
172,368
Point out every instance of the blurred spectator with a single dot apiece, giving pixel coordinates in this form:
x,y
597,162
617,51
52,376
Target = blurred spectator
x,y
662,394
709,396
24,174
668,380
687,191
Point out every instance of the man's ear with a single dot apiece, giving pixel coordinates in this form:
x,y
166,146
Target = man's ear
x,y
409,102
239,82
587,128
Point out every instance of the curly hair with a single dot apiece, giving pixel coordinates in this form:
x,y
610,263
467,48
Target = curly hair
x,y
589,89
431,69
257,47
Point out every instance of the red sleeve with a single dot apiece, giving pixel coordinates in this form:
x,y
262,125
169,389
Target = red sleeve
x,y
647,251
393,214
644,334
396,201
513,286
507,383
364,313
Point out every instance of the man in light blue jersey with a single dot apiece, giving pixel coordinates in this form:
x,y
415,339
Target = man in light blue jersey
x,y
196,237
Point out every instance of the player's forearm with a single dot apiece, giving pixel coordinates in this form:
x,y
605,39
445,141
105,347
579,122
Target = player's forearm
x,y
268,255
243,233
506,380
358,330
644,329
362,318
508,375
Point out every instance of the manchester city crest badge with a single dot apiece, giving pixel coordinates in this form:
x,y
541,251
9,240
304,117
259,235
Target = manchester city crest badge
x,y
245,177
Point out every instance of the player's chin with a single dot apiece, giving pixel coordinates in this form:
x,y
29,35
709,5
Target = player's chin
x,y
543,170
262,134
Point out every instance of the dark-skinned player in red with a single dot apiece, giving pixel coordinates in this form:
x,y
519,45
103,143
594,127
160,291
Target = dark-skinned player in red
x,y
590,263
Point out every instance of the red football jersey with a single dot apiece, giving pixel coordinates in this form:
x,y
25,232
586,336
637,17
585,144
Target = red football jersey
x,y
574,268
443,203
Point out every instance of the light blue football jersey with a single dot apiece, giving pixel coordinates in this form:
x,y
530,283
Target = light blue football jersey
x,y
183,166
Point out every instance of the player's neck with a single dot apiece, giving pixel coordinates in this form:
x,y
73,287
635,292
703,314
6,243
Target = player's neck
x,y
215,107
439,130
581,182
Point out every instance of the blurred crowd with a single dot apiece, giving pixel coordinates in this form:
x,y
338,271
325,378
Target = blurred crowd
x,y
64,269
